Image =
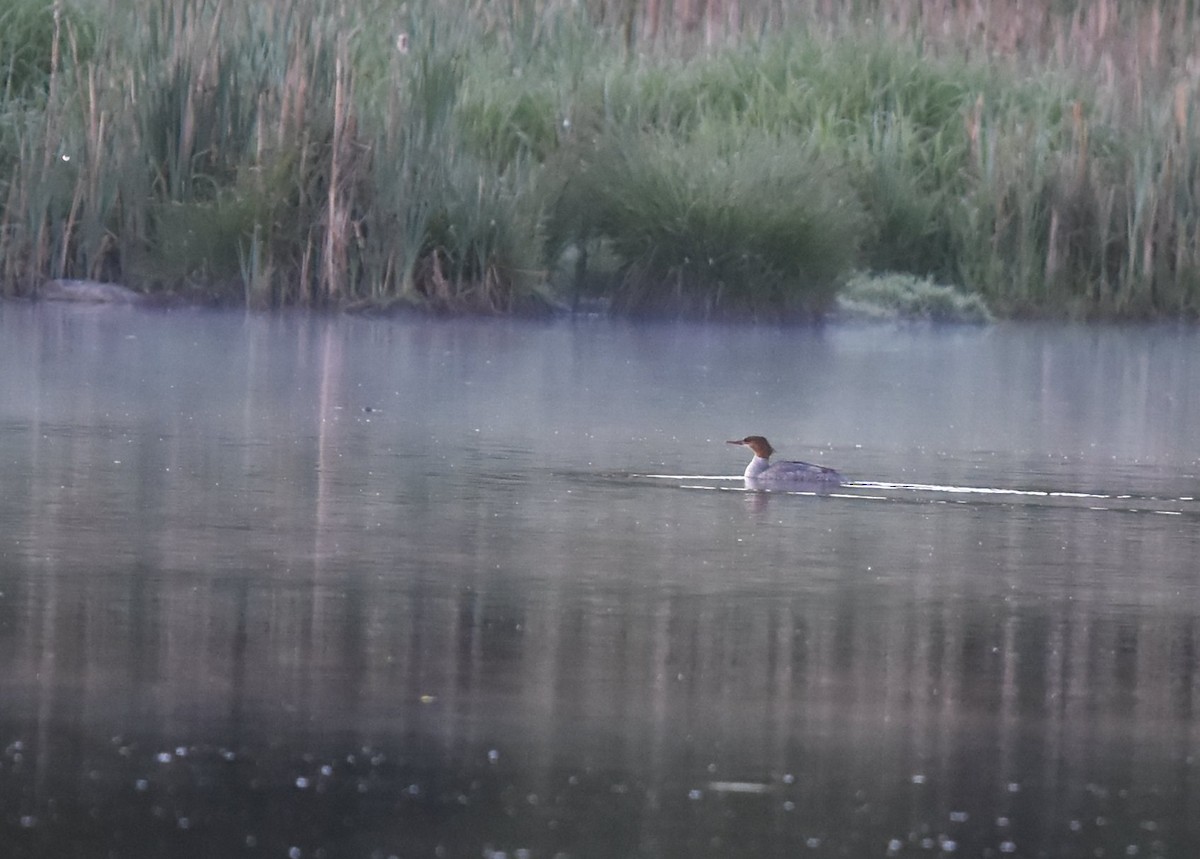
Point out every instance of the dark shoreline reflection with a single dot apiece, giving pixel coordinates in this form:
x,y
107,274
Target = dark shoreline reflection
x,y
241,615
353,799
527,727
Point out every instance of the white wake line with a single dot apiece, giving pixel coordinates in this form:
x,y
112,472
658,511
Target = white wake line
x,y
981,490
813,493
925,487
912,487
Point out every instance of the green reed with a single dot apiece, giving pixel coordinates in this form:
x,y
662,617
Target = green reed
x,y
712,159
722,223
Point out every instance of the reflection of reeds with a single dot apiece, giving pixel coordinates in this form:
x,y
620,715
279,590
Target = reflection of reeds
x,y
300,152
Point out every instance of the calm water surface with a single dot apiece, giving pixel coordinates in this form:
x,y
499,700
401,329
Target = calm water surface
x,y
297,586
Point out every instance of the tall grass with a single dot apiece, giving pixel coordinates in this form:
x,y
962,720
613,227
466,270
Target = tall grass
x,y
720,223
709,157
273,152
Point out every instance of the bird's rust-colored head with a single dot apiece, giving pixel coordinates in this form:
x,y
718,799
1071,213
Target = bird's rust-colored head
x,y
756,443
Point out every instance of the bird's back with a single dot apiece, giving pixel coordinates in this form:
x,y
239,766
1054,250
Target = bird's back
x,y
795,471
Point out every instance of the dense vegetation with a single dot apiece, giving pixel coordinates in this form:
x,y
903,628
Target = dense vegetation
x,y
705,157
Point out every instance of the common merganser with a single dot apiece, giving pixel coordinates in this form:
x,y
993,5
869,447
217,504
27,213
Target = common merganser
x,y
761,471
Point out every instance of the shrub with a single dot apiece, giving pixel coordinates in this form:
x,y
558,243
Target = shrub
x,y
902,296
722,225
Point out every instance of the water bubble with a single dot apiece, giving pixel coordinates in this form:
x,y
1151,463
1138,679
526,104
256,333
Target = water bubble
x,y
918,778
1008,847
1002,822
959,816
1013,787
141,785
895,846
184,823
295,853
788,805
28,821
1075,825
695,794
493,755
1131,850
788,778
949,845
812,843
326,770
164,757
301,782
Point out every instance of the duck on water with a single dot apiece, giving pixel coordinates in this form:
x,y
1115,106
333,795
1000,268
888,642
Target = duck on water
x,y
761,473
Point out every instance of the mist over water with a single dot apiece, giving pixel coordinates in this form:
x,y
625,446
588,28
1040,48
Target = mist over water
x,y
352,587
